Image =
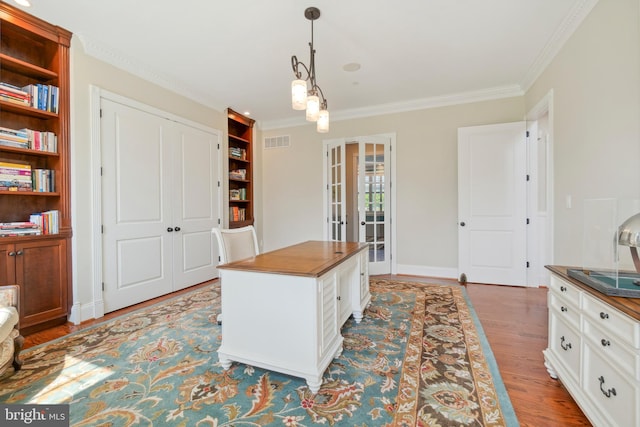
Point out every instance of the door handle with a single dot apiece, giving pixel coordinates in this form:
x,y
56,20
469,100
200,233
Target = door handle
x,y
362,223
169,229
462,224
177,228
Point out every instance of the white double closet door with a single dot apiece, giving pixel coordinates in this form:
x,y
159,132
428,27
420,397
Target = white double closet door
x,y
160,199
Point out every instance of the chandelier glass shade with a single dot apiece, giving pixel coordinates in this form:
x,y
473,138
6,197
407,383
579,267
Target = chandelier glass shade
x,y
305,92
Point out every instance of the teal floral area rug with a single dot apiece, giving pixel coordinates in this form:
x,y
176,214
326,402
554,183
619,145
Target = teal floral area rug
x,y
418,358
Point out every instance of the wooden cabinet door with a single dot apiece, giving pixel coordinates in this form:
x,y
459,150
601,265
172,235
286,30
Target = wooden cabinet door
x,y
41,272
7,265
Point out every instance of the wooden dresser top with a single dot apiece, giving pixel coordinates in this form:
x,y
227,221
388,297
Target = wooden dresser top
x,y
629,306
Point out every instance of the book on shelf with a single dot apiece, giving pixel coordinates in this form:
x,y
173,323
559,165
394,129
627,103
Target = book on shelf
x,y
238,153
29,139
11,93
21,228
238,174
234,194
47,221
43,180
43,97
237,213
15,176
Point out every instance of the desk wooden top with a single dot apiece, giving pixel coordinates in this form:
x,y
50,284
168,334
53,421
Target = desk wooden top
x,y
311,259
629,306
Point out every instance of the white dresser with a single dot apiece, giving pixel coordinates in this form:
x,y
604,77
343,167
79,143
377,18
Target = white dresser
x,y
594,349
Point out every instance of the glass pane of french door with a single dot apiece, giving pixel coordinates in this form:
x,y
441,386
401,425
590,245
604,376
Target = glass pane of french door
x,y
336,193
374,200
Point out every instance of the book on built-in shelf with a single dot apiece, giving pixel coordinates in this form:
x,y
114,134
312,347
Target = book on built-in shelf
x,y
238,153
234,194
43,180
22,228
47,221
43,97
238,174
15,176
14,94
29,139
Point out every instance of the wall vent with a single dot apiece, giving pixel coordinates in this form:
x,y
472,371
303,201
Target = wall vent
x,y
277,142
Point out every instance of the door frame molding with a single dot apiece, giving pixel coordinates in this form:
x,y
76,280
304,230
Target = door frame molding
x,y
95,309
542,108
392,205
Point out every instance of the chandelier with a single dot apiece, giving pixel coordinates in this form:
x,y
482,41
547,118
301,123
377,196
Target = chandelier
x,y
305,93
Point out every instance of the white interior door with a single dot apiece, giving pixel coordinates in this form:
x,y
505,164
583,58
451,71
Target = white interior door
x,y
159,203
136,212
492,203
195,206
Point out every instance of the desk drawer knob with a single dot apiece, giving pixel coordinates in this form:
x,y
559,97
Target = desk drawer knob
x,y
563,289
564,309
604,315
605,343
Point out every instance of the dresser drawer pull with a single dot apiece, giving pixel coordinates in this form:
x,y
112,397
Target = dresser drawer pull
x,y
564,309
608,393
562,344
563,289
605,343
604,315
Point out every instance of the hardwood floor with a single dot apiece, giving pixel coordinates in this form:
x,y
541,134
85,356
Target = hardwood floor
x,y
514,320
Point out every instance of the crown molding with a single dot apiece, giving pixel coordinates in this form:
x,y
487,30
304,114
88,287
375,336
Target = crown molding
x,y
572,21
489,94
116,59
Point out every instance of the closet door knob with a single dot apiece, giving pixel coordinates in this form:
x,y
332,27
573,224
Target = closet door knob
x,y
462,224
169,229
177,228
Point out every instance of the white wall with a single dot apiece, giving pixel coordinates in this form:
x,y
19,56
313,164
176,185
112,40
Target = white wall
x,y
596,118
596,83
426,186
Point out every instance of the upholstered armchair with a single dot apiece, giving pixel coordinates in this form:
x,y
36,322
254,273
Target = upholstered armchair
x,y
10,339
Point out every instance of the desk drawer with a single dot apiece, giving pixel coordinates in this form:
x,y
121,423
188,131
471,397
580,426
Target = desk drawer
x,y
565,291
612,349
612,320
564,342
615,394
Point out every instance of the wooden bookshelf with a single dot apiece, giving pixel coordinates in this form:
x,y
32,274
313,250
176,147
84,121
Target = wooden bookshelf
x,y
35,52
240,171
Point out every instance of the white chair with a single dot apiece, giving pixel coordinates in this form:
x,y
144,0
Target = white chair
x,y
235,244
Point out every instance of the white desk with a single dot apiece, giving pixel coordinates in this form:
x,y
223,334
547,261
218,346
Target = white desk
x,y
283,310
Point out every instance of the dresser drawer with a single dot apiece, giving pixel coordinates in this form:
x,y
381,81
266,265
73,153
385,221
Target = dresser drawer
x,y
568,312
615,394
564,342
612,349
611,320
565,291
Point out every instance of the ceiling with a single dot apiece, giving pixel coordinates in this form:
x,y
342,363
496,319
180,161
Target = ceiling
x,y
412,53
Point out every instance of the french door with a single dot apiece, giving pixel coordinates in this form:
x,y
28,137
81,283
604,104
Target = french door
x,y
358,195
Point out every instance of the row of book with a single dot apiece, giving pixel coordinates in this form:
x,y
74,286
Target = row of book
x,y
40,96
237,213
238,153
29,139
20,177
238,174
39,223
238,194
